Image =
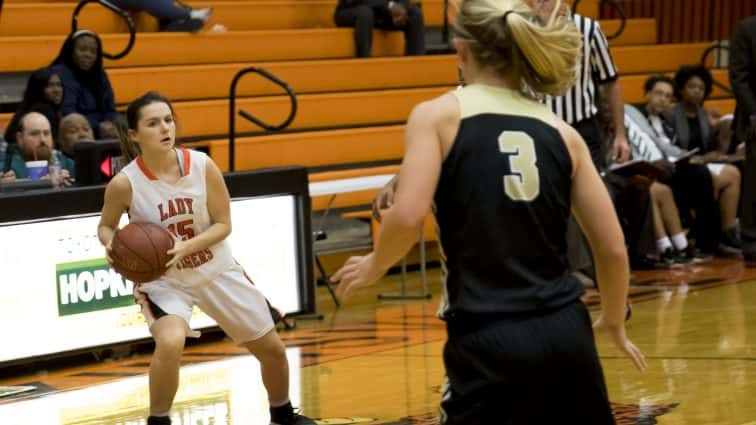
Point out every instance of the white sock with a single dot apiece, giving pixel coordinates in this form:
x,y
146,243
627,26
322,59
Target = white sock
x,y
168,413
278,404
663,244
680,241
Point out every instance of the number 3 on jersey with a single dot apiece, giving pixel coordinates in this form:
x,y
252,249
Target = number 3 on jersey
x,y
523,184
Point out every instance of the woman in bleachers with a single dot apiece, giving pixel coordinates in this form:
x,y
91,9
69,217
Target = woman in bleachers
x,y
86,88
693,127
43,94
692,124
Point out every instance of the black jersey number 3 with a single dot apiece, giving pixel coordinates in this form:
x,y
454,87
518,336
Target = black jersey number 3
x,y
523,182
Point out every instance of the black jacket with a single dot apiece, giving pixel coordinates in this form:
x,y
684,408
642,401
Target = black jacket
x,y
743,75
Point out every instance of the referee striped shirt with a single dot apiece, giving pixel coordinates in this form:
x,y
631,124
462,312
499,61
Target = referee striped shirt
x,y
597,67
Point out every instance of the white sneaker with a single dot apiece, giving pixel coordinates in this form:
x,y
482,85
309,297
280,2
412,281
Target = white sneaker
x,y
201,14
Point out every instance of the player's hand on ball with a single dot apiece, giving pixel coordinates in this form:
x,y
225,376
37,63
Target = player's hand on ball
x,y
616,334
180,250
356,273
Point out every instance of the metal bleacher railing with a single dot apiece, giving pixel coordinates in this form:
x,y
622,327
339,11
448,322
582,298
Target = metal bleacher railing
x,y
118,11
248,116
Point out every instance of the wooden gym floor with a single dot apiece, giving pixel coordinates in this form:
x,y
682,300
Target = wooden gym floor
x,y
380,363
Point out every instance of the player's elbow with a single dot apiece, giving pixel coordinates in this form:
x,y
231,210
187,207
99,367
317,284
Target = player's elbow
x,y
614,252
408,218
226,229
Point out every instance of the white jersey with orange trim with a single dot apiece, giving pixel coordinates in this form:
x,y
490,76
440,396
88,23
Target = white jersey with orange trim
x,y
180,208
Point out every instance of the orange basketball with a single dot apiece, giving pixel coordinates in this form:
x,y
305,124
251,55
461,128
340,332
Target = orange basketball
x,y
139,251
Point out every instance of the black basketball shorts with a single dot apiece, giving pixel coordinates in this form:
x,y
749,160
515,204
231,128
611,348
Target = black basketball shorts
x,y
525,369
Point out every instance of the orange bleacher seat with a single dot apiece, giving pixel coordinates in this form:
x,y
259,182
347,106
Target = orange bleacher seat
x,y
318,76
723,106
206,118
215,48
55,18
313,149
153,49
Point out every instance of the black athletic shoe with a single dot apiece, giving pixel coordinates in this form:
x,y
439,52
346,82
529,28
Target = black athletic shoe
x,y
286,415
159,420
675,258
692,255
183,25
647,263
749,258
731,238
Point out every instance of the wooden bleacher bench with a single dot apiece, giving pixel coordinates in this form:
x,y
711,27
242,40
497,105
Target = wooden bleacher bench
x,y
153,49
168,54
364,108
53,18
313,76
725,106
313,149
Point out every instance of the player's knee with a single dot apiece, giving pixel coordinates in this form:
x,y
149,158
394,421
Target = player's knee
x,y
170,343
732,173
661,192
665,193
268,349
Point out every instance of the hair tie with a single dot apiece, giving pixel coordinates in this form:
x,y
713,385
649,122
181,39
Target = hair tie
x,y
504,18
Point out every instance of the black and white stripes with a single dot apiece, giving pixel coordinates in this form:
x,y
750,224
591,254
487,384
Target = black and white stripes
x,y
596,67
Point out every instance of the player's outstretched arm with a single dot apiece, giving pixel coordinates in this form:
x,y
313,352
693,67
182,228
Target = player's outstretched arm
x,y
595,213
419,174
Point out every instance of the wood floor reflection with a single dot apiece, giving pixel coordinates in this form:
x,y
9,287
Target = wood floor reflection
x,y
377,363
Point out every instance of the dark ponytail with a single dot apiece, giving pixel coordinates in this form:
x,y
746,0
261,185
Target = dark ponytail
x,y
129,148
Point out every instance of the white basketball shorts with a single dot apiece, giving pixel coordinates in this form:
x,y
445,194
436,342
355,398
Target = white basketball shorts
x,y
231,299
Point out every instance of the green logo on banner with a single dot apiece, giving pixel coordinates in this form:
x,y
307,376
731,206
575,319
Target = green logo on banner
x,y
91,285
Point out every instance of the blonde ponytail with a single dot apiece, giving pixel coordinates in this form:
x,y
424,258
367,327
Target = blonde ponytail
x,y
506,35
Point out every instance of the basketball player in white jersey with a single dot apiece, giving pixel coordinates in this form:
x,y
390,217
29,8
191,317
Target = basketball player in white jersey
x,y
184,192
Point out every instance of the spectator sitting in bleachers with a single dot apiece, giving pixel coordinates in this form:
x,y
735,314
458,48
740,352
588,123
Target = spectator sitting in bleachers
x,y
691,185
74,128
691,124
171,17
35,143
43,94
391,15
725,177
86,88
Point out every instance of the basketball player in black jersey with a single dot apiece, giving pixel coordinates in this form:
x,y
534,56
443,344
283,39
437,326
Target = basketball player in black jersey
x,y
504,174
